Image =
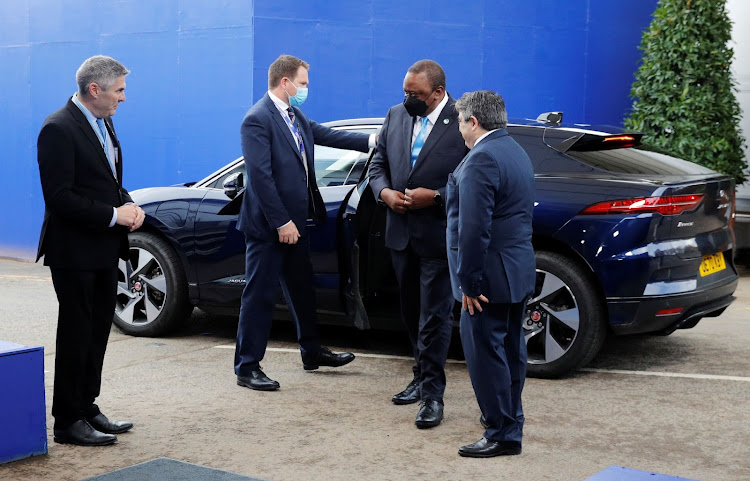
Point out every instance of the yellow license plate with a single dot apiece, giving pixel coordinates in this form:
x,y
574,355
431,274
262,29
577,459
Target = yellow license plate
x,y
712,263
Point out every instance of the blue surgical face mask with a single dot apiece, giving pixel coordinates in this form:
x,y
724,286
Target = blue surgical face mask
x,y
299,98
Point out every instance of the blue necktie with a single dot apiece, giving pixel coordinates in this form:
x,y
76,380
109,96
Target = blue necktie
x,y
103,130
419,141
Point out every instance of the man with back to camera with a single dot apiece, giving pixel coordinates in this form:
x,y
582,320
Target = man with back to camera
x,y
419,145
86,221
281,193
490,202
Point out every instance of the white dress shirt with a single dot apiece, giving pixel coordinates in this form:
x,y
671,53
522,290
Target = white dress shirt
x,y
432,118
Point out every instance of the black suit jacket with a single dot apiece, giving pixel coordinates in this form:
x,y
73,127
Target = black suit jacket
x,y
391,167
80,191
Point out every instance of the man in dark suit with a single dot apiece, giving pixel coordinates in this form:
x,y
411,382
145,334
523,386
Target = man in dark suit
x,y
87,218
490,202
281,194
419,146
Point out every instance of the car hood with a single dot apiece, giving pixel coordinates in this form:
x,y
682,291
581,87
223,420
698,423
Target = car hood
x,y
153,195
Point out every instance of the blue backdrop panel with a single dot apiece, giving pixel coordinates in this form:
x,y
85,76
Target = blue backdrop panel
x,y
615,34
19,169
214,90
137,16
146,122
455,49
198,65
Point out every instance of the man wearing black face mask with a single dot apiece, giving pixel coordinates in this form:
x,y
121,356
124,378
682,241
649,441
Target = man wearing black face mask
x,y
419,146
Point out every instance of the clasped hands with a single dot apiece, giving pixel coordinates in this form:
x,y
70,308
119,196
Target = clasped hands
x,y
399,202
131,216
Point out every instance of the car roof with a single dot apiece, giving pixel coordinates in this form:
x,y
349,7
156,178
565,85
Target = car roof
x,y
512,122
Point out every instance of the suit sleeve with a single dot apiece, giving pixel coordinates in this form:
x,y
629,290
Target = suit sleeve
x,y
340,139
126,199
380,172
256,148
476,189
57,171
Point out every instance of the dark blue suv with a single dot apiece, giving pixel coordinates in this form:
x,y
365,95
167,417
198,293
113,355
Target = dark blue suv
x,y
627,239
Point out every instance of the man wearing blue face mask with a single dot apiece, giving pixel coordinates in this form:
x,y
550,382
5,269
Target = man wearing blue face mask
x,y
281,194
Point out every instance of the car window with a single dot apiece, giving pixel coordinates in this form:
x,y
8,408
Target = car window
x,y
638,161
219,182
338,166
641,160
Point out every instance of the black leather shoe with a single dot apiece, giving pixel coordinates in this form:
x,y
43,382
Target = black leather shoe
x,y
82,434
324,357
101,423
257,380
430,414
483,421
484,448
410,395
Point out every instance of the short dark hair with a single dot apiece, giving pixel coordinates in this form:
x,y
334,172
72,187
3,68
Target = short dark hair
x,y
486,106
432,70
284,66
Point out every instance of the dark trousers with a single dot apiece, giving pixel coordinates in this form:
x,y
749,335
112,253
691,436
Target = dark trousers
x,y
267,263
427,312
86,306
495,353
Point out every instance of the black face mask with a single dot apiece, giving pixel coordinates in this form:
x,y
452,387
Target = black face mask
x,y
415,107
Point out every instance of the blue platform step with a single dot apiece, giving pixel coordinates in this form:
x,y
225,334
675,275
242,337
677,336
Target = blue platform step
x,y
23,420
619,473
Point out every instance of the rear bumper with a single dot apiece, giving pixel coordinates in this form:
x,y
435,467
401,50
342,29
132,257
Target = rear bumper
x,y
642,311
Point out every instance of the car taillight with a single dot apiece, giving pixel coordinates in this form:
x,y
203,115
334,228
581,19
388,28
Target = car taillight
x,y
621,141
669,205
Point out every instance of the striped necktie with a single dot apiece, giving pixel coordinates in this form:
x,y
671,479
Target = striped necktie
x,y
419,141
295,131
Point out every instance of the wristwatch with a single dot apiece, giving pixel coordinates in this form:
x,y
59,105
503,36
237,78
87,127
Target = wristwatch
x,y
437,199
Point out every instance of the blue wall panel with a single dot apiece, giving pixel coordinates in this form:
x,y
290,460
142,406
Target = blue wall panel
x,y
198,65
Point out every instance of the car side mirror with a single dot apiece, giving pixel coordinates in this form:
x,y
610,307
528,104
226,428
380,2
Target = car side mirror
x,y
233,184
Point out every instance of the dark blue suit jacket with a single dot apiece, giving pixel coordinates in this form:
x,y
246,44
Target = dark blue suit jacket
x,y
391,167
277,188
490,202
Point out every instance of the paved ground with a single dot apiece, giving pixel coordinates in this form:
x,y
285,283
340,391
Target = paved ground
x,y
690,417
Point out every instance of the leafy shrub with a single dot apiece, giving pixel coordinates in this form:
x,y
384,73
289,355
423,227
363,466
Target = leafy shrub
x,y
684,90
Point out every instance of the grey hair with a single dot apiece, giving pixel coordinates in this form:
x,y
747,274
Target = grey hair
x,y
101,70
486,106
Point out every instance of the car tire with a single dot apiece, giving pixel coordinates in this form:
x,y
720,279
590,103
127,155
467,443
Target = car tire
x,y
152,297
566,323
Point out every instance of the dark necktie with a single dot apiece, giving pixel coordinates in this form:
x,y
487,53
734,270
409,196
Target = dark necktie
x,y
295,131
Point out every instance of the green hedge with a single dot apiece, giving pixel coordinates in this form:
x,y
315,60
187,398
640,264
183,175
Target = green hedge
x,y
684,90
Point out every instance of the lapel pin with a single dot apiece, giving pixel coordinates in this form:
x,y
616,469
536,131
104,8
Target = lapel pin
x,y
446,121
